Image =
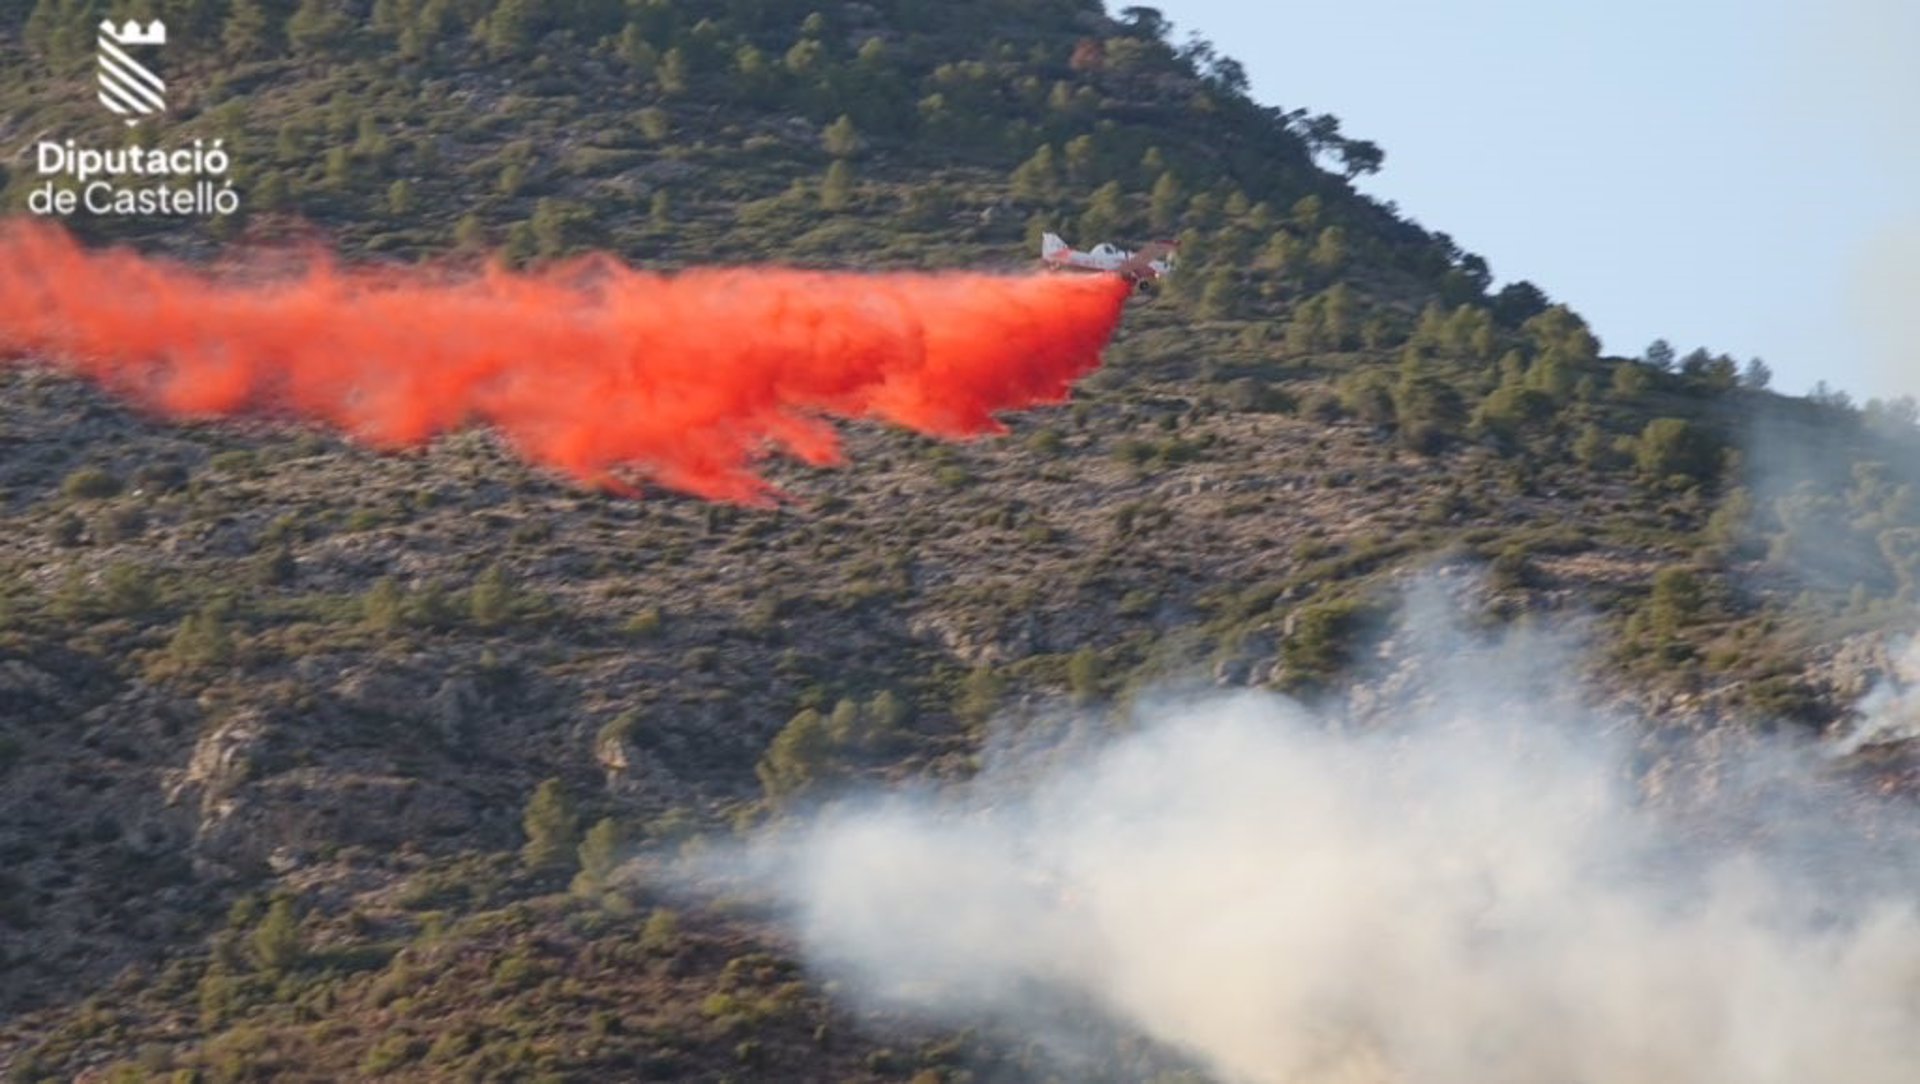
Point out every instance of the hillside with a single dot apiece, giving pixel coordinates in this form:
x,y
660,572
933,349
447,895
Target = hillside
x,y
276,711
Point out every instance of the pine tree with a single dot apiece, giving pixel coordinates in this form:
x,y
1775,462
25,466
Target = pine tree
x,y
1675,446
490,602
884,716
1163,205
391,16
753,75
1283,255
62,30
840,138
641,58
798,759
202,639
655,123
1338,315
979,695
470,233
1630,381
843,726
383,607
1306,331
1330,250
1106,211
1676,601
509,29
805,57
552,828
40,26
1220,295
339,168
674,71
315,26
836,192
1590,447
1038,178
599,856
521,245
276,942
248,34
1083,675
1082,159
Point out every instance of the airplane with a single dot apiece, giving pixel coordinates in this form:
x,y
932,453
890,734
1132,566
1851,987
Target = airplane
x,y
1154,261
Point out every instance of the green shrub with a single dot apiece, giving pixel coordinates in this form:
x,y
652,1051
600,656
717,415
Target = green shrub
x,y
275,567
125,590
661,933
799,759
598,855
1676,602
390,1054
1674,447
517,971
383,607
1369,397
122,523
160,478
491,600
648,623
1321,642
203,639
277,944
90,483
1083,675
552,828
451,1046
979,695
1785,699
67,530
237,461
1511,569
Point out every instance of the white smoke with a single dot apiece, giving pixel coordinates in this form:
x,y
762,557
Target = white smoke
x,y
1890,712
1887,279
1481,894
1850,75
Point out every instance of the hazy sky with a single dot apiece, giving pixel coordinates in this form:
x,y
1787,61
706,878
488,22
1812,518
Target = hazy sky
x,y
1737,174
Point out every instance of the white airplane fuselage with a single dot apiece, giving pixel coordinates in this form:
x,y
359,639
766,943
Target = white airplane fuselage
x,y
1056,253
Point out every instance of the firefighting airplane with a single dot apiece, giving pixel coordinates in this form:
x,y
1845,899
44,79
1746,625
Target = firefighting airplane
x,y
1154,261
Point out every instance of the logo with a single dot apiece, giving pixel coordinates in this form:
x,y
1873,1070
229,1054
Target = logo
x,y
127,86
181,181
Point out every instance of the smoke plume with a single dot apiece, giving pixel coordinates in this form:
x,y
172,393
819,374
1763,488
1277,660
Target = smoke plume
x,y
1890,712
1489,891
609,374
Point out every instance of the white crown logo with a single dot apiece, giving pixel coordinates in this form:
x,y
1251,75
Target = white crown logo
x,y
128,87
133,34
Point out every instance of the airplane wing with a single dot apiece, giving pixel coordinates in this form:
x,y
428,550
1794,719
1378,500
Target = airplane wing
x,y
1149,263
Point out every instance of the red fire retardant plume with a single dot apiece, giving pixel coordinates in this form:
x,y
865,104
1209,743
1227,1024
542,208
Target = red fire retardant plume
x,y
606,373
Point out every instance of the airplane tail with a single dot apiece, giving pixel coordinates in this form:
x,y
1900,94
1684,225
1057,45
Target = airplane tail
x,y
1051,245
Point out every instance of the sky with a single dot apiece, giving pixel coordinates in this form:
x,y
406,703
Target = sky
x,y
1742,175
